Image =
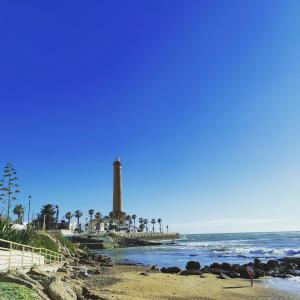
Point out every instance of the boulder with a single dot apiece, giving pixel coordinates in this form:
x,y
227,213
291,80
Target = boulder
x,y
63,270
272,264
58,290
190,272
144,274
193,265
226,266
223,276
106,264
90,294
215,266
154,268
257,262
38,272
103,258
171,270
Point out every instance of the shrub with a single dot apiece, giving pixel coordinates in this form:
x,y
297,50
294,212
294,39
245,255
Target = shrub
x,y
65,242
22,236
43,241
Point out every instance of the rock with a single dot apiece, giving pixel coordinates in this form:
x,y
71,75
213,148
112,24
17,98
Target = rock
x,y
223,276
171,270
6,277
226,266
294,260
257,262
272,264
190,272
58,290
144,274
193,265
63,270
103,258
215,266
107,264
232,274
36,271
89,294
155,268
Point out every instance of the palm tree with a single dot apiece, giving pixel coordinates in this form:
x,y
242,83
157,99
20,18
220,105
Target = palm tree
x,y
47,213
133,217
159,222
142,225
98,217
91,212
19,211
128,219
146,222
69,216
78,215
153,221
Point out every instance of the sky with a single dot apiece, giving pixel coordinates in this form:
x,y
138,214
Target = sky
x,y
200,99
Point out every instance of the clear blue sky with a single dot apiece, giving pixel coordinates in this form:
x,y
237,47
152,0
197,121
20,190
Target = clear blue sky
x,y
200,99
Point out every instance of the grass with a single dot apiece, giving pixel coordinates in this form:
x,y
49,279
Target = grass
x,y
65,242
13,291
43,241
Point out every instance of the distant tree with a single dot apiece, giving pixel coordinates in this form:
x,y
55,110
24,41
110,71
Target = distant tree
x,y
69,216
146,222
47,213
19,211
128,219
153,221
78,215
91,213
159,222
98,217
133,217
57,213
9,187
142,225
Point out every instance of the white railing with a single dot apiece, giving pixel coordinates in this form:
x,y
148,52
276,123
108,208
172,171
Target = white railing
x,y
14,255
146,234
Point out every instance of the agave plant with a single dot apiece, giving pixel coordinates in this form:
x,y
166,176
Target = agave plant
x,y
21,236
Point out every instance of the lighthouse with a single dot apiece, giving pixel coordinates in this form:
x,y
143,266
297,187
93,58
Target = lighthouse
x,y
117,188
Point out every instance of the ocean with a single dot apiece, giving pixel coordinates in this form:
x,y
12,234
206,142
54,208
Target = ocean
x,y
208,248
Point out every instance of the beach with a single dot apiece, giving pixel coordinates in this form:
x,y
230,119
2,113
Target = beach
x,y
126,282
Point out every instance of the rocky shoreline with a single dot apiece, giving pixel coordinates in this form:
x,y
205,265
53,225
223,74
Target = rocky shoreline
x,y
283,268
84,274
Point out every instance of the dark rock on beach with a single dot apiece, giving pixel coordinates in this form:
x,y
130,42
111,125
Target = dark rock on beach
x,y
171,270
190,272
193,265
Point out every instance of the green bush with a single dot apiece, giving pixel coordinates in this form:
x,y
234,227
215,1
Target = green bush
x,y
21,236
43,241
65,242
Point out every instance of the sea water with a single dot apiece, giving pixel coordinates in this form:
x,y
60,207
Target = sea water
x,y
208,248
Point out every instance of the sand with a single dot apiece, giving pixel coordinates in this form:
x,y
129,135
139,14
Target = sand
x,y
123,282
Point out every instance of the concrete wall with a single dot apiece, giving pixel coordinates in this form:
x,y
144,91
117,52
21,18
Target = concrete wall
x,y
19,259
